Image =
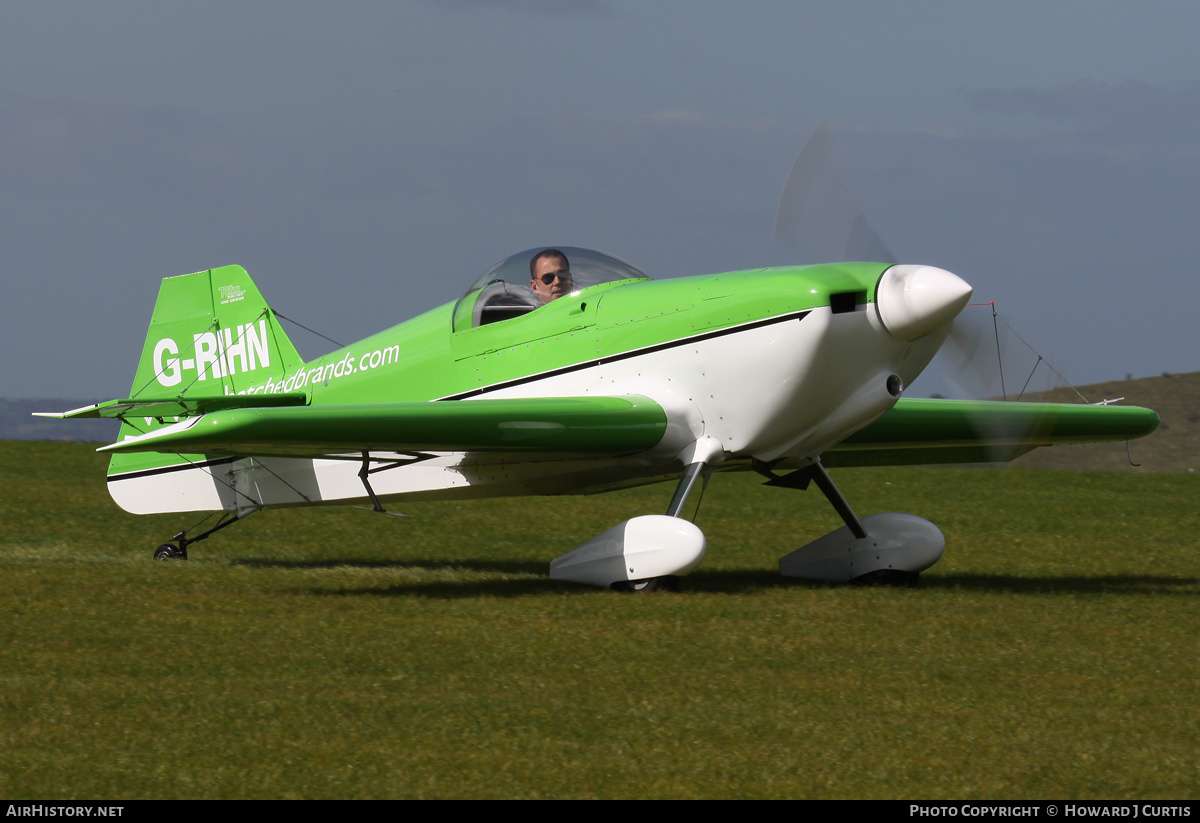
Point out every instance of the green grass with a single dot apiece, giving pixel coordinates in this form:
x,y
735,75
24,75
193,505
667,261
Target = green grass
x,y
337,653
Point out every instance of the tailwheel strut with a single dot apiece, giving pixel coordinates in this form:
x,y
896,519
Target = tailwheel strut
x,y
178,549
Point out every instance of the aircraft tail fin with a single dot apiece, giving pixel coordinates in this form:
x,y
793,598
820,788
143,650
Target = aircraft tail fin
x,y
211,335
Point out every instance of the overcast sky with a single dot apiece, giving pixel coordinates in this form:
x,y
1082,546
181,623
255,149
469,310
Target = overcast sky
x,y
367,160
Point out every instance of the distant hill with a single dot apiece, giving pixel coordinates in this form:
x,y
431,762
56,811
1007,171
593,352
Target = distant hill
x,y
1174,448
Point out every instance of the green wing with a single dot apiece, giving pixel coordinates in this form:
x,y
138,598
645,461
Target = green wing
x,y
981,431
589,425
913,432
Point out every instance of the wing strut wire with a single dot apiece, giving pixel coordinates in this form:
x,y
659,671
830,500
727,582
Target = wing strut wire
x,y
260,463
233,488
159,373
307,329
999,362
1030,377
215,324
996,320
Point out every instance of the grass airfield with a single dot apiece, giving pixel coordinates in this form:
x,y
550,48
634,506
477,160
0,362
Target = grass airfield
x,y
1054,652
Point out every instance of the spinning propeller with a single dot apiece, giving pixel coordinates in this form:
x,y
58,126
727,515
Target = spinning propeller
x,y
819,218
818,212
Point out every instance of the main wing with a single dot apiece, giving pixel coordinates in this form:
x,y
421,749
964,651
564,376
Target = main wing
x,y
233,453
583,425
915,431
918,431
236,454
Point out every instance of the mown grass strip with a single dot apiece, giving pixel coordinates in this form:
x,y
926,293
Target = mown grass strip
x,y
336,653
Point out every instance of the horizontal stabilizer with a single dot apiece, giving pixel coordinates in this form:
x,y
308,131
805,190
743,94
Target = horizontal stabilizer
x,y
982,431
589,425
189,406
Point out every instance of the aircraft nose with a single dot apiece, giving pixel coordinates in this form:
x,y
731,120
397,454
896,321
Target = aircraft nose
x,y
915,300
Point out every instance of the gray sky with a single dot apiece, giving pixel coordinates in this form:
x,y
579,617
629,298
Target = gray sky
x,y
368,160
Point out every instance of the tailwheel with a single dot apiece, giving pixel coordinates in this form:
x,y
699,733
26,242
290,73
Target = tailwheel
x,y
169,551
666,583
173,551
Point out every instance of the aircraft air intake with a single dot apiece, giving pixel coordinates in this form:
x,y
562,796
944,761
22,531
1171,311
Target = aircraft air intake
x,y
914,301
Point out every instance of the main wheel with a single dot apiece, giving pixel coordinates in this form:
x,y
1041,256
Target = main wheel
x,y
668,583
169,551
888,577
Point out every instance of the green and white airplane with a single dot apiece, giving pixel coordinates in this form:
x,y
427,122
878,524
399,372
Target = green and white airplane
x,y
575,373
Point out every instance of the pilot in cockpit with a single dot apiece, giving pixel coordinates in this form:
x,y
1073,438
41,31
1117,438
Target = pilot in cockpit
x,y
501,293
550,275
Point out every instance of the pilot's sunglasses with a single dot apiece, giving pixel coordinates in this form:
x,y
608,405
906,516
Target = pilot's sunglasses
x,y
565,274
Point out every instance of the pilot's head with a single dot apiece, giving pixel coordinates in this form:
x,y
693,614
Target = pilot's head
x,y
550,275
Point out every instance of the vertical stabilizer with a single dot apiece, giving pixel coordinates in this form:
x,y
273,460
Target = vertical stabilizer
x,y
211,334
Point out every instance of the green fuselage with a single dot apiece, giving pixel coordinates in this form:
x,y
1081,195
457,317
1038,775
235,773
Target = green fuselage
x,y
426,358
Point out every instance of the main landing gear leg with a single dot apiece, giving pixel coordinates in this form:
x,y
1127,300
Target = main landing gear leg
x,y
880,548
693,474
651,552
178,550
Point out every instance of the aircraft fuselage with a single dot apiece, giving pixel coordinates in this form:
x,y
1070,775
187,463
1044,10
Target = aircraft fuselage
x,y
766,363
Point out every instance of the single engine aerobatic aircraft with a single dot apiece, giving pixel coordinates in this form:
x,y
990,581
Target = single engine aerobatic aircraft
x,y
618,380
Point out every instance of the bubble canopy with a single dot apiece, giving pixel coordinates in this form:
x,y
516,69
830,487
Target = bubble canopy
x,y
503,291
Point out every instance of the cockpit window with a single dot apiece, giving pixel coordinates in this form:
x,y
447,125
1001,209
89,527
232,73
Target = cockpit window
x,y
504,291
